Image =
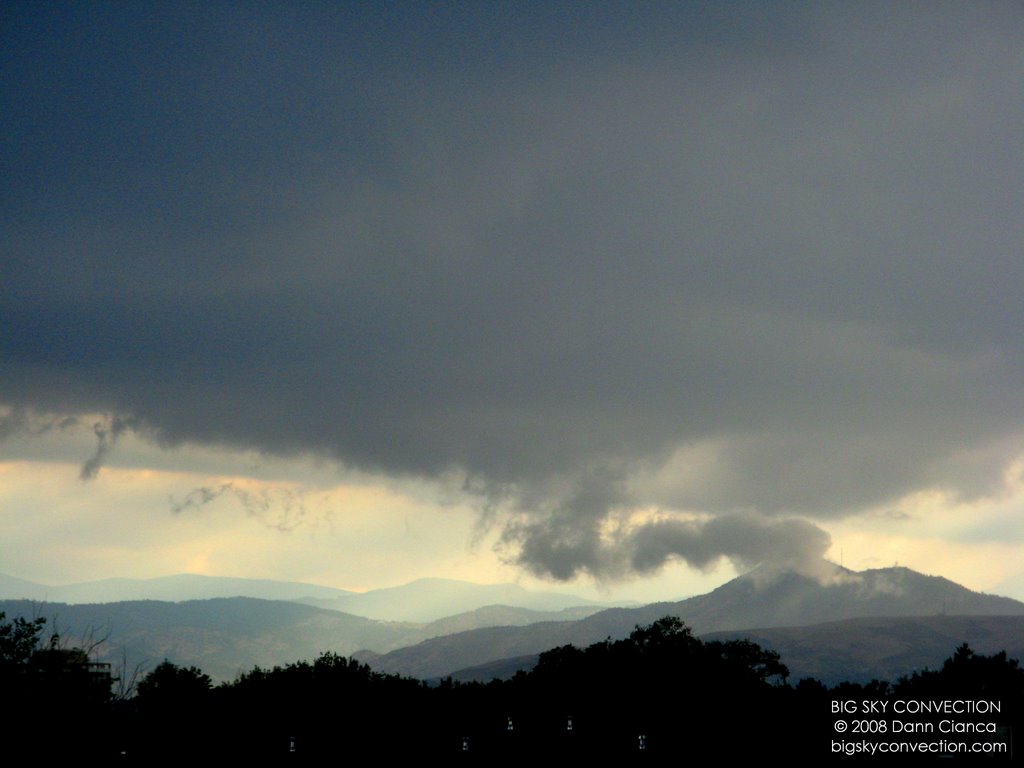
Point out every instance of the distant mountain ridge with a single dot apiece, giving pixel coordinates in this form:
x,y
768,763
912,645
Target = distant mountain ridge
x,y
226,625
762,599
227,635
864,622
222,636
430,599
175,588
420,601
787,598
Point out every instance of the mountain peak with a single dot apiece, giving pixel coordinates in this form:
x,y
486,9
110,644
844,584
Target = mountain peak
x,y
764,598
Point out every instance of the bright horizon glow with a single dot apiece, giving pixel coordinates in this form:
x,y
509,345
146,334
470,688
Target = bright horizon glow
x,y
354,522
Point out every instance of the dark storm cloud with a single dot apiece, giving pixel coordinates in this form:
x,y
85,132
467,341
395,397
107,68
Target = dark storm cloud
x,y
524,242
748,540
19,421
585,534
567,540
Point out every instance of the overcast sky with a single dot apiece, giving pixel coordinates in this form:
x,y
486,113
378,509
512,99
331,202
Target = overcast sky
x,y
633,296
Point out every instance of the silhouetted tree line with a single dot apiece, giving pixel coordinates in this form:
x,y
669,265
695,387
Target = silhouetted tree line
x,y
659,692
54,693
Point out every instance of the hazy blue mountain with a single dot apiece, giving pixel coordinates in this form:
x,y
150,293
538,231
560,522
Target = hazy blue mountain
x,y
223,636
760,599
504,616
440,656
12,588
427,600
226,635
421,601
184,586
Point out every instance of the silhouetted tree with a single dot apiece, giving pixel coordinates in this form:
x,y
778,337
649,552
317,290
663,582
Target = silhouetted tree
x,y
969,675
171,685
19,639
